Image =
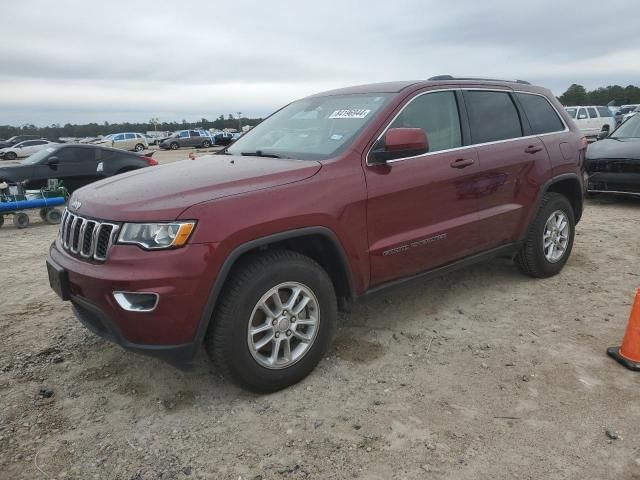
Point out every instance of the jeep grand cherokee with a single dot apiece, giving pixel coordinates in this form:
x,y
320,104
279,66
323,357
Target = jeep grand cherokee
x,y
332,197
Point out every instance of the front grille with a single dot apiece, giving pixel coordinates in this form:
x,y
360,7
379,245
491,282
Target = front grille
x,y
90,239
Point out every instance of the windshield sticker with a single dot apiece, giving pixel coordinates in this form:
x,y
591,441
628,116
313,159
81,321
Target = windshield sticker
x,y
336,136
49,149
350,113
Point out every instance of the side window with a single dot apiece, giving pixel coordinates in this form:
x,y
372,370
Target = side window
x,y
592,112
492,116
129,136
30,143
604,112
194,133
541,115
184,134
571,111
437,114
39,142
75,154
118,137
582,114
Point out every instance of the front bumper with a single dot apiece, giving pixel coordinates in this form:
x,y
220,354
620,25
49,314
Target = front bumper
x,y
613,182
182,278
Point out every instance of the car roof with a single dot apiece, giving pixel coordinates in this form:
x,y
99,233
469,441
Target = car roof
x,y
442,80
89,146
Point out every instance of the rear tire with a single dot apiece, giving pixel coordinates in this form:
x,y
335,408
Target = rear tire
x,y
139,147
21,220
53,216
550,239
174,146
299,328
43,214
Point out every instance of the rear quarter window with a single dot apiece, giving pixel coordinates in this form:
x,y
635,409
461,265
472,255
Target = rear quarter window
x,y
541,115
492,116
592,112
604,112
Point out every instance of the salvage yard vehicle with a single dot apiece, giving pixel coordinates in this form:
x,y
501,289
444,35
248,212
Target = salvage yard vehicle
x,y
332,197
17,139
126,141
613,162
186,138
593,119
25,148
76,165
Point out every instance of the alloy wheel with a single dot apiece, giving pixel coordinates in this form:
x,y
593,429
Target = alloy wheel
x,y
283,325
555,237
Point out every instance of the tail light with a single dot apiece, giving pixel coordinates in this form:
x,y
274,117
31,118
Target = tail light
x,y
150,161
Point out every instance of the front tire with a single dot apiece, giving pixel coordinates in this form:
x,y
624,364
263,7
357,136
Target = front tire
x,y
275,319
550,239
10,156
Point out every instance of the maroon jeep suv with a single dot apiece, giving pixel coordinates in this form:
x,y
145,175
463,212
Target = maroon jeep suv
x,y
253,251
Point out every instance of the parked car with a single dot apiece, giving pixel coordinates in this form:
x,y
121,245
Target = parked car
x,y
332,197
621,114
125,141
223,138
613,163
76,165
151,140
24,149
631,114
186,138
591,120
17,139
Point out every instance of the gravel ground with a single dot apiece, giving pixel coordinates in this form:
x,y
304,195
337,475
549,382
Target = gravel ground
x,y
483,373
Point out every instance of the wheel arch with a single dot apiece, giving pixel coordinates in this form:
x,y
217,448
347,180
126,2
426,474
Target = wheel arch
x,y
318,243
571,187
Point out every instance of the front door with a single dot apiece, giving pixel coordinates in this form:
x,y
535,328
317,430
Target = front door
x,y
421,210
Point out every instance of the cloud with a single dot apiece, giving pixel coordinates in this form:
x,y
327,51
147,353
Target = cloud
x,y
129,60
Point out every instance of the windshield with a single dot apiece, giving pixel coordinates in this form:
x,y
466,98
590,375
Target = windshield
x,y
571,112
12,139
629,129
311,129
38,156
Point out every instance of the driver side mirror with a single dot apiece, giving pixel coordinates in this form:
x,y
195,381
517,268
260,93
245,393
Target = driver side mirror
x,y
400,143
53,161
603,134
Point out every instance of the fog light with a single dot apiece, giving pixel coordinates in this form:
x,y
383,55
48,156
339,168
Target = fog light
x,y
137,302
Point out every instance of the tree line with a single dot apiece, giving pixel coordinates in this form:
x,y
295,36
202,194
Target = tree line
x,y
578,95
55,131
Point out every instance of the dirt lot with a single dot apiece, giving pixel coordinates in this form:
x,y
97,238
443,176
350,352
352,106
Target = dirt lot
x,y
483,373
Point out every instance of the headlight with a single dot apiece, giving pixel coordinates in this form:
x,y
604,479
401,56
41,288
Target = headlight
x,y
155,236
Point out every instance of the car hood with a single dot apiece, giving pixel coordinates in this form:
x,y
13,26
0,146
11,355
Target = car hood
x,y
163,192
614,148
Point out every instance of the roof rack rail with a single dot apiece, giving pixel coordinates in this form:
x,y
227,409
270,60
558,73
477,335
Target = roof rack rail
x,y
450,77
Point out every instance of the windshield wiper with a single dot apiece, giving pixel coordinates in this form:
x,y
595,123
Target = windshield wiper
x,y
260,153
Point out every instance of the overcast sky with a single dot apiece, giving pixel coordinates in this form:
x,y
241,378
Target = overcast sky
x,y
72,61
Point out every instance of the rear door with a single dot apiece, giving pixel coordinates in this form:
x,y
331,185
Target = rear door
x,y
194,138
582,120
76,167
595,122
510,164
420,211
119,141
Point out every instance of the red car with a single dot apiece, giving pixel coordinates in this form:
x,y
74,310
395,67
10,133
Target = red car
x,y
337,195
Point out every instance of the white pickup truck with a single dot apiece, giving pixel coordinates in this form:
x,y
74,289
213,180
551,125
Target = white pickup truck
x,y
592,119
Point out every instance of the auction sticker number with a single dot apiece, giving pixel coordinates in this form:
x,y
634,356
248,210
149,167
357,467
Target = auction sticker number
x,y
350,113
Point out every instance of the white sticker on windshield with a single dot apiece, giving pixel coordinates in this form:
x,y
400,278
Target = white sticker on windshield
x,y
350,113
49,149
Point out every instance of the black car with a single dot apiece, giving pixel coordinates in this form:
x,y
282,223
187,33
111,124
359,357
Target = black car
x,y
75,165
17,139
613,162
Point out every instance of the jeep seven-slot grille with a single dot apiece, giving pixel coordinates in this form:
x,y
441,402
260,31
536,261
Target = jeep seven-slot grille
x,y
85,237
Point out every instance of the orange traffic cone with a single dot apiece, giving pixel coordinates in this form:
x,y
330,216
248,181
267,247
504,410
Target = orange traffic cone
x,y
629,353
